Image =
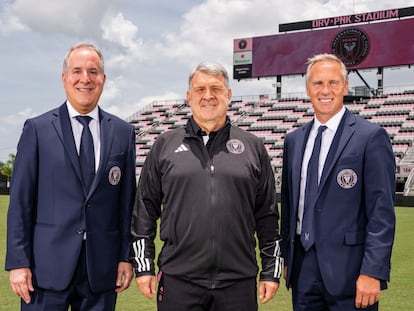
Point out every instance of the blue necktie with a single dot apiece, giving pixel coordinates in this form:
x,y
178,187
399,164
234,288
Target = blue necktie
x,y
86,152
308,231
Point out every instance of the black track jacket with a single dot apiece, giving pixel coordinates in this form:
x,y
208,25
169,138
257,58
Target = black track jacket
x,y
211,203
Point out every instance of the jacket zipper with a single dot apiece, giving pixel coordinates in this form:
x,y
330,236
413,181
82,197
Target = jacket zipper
x,y
213,231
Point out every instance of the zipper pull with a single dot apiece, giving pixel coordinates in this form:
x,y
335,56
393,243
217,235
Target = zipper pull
x,y
212,169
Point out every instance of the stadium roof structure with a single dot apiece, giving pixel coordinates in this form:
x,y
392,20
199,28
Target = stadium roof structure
x,y
363,41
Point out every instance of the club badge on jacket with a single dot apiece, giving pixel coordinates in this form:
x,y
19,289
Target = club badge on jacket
x,y
114,175
347,178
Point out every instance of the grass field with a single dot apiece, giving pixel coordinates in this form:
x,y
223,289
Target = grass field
x,y
399,296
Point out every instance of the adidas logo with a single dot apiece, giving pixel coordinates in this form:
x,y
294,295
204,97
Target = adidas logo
x,y
181,148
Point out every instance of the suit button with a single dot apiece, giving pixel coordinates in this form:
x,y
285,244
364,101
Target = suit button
x,y
80,231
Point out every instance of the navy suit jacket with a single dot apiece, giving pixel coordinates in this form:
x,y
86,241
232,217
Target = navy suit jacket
x,y
50,210
354,213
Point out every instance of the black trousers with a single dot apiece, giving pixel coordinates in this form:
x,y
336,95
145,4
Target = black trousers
x,y
78,295
175,294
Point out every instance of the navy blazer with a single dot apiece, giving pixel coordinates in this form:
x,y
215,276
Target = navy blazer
x,y
50,210
355,218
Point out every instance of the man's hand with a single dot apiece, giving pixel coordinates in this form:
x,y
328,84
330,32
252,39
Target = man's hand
x,y
367,291
21,283
124,277
267,290
147,285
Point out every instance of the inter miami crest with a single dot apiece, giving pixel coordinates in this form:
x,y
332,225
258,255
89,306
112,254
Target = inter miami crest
x,y
235,146
351,46
347,178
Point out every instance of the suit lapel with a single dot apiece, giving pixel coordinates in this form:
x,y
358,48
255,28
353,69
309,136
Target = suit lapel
x,y
64,130
106,133
299,149
341,139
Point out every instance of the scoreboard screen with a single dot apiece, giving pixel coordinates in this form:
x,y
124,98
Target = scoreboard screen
x,y
373,45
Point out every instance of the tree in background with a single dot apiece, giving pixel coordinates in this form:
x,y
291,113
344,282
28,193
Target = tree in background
x,y
7,168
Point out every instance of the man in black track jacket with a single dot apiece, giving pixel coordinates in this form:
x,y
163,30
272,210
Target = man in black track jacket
x,y
213,187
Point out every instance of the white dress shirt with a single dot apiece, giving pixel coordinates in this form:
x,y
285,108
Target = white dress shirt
x,y
77,128
327,138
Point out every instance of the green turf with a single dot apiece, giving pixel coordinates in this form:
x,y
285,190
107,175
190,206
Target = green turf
x,y
399,296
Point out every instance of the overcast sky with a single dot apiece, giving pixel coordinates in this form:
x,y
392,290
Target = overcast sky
x,y
149,46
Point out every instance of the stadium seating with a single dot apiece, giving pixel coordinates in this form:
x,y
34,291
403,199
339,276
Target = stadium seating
x,y
271,119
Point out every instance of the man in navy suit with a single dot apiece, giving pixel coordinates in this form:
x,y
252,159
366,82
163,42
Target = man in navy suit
x,y
68,241
337,245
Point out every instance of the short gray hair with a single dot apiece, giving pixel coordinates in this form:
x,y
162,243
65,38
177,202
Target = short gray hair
x,y
326,57
211,68
83,45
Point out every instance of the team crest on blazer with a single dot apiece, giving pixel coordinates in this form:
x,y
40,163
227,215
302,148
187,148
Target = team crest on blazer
x,y
114,175
347,178
235,146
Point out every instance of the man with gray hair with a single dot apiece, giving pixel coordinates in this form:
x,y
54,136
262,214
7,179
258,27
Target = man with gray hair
x,y
338,187
213,187
72,191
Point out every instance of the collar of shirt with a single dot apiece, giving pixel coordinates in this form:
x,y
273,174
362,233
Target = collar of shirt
x,y
199,132
94,114
332,124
